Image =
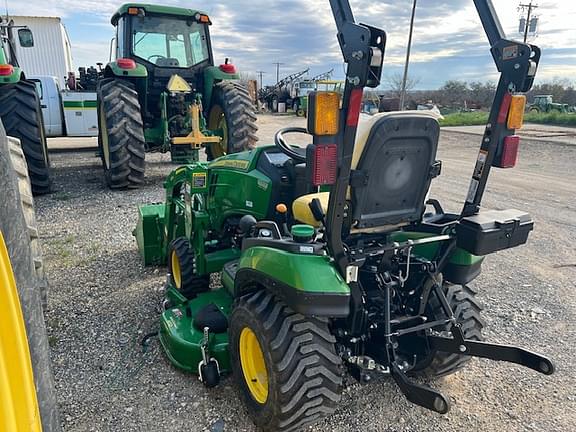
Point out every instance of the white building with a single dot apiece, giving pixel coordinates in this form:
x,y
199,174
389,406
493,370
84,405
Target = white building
x,y
51,54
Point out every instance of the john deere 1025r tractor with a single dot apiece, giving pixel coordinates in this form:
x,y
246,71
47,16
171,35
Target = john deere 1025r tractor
x,y
163,93
327,256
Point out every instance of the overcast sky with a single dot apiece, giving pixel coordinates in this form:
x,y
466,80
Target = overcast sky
x,y
449,42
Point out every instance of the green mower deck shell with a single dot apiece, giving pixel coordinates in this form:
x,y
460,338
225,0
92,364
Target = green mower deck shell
x,y
149,233
181,340
309,284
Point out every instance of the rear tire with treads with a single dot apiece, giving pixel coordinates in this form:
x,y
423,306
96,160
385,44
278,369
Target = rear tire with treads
x,y
121,133
233,108
22,118
21,171
467,311
303,373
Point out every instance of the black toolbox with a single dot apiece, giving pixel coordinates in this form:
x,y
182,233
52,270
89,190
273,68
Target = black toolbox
x,y
493,230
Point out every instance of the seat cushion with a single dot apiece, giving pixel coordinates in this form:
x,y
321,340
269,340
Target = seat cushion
x,y
301,207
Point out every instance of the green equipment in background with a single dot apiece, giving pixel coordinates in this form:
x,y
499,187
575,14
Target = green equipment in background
x,y
20,109
163,93
332,258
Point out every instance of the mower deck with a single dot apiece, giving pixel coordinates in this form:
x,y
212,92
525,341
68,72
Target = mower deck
x,y
182,339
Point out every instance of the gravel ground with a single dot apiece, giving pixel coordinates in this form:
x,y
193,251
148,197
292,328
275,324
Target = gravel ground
x,y
103,301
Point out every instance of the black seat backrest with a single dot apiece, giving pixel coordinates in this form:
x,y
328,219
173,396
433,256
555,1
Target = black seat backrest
x,y
393,175
167,62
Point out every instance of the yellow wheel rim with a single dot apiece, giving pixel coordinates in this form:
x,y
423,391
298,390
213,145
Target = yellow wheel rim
x,y
176,273
217,120
253,365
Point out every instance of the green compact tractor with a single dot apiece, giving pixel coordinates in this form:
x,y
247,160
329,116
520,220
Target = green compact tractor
x,y
328,259
163,93
20,109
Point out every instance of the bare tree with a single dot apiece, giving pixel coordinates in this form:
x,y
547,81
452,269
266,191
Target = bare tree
x,y
394,82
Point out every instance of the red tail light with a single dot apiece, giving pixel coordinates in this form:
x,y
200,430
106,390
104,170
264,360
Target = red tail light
x,y
126,63
228,68
509,155
6,69
324,164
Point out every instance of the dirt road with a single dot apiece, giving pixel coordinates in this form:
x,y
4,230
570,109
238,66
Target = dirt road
x,y
102,303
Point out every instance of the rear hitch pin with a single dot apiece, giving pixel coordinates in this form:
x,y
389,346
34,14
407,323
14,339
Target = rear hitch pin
x,y
402,279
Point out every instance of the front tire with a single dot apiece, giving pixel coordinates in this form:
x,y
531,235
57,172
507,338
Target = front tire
x,y
285,364
233,114
182,272
22,118
120,134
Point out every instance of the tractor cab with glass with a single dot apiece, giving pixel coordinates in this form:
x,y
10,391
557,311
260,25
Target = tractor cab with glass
x,y
164,88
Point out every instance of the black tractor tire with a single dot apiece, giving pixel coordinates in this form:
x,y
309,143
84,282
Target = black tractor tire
x,y
14,228
468,313
231,104
120,134
303,371
21,115
181,268
27,203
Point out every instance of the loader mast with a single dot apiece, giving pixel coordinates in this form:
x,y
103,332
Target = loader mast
x,y
517,63
363,51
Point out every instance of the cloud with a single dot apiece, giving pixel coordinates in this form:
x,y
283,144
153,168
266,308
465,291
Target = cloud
x,y
449,42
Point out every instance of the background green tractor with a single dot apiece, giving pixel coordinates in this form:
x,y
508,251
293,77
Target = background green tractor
x,y
163,93
327,255
20,109
546,104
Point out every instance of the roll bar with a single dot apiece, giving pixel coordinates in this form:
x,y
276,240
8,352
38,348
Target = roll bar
x,y
363,49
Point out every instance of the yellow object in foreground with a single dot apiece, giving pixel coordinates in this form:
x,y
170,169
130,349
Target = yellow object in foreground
x,y
516,112
18,404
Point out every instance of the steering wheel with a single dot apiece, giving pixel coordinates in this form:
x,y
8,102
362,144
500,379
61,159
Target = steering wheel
x,y
155,55
280,142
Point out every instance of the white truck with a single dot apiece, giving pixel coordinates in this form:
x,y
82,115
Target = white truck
x,y
49,64
66,113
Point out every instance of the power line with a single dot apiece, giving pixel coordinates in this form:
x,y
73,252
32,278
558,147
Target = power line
x,y
261,73
278,64
522,7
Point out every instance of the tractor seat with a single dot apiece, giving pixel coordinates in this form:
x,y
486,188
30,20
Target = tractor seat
x,y
167,62
393,163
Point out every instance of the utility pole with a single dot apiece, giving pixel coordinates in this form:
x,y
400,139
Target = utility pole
x,y
278,64
405,77
260,73
530,7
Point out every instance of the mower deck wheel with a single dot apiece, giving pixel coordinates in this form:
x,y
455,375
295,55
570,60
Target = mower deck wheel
x,y
182,272
285,364
209,374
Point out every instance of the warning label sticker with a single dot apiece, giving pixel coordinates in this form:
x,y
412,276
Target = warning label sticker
x,y
480,164
199,180
472,190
